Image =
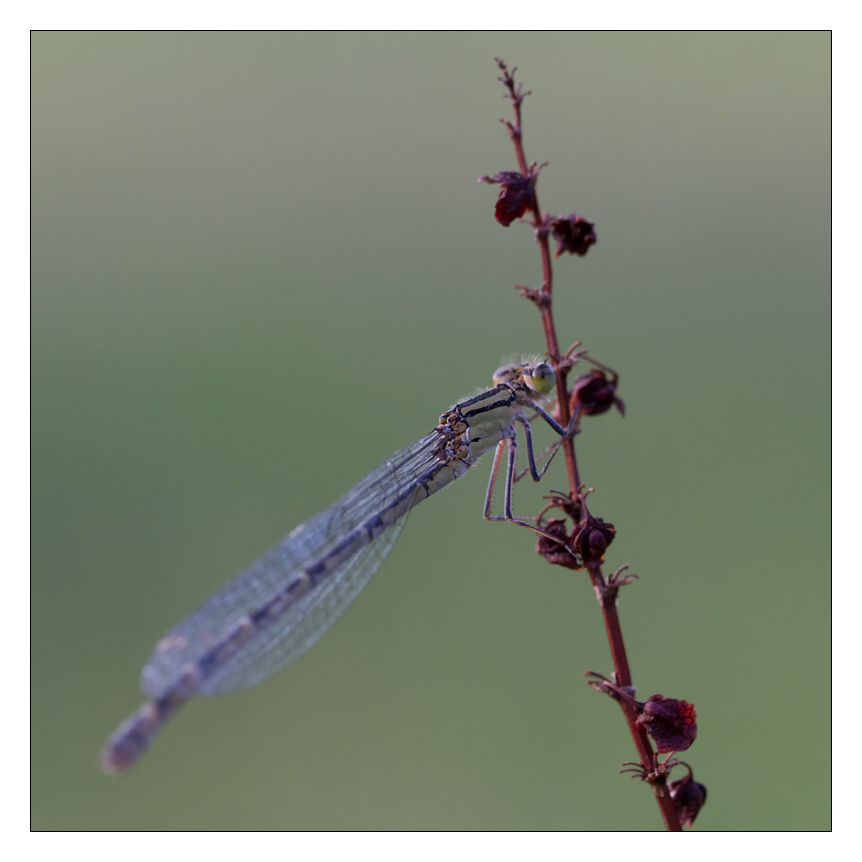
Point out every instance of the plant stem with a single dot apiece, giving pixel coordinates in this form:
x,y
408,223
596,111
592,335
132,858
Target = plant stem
x,y
545,297
607,594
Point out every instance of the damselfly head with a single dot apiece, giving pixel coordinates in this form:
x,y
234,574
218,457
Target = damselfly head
x,y
539,377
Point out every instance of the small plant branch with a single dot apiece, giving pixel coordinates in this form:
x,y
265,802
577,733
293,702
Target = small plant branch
x,y
662,718
542,299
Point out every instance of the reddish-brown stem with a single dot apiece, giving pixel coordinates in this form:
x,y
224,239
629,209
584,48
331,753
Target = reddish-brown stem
x,y
607,594
545,306
608,602
607,597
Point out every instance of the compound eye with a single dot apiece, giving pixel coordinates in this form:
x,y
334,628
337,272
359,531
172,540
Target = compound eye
x,y
542,378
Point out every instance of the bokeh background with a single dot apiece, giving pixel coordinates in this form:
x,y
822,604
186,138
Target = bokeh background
x,y
262,263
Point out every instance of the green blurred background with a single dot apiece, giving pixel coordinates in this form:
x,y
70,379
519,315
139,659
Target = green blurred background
x,y
262,263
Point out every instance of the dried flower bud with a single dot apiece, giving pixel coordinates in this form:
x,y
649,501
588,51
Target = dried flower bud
x,y
689,797
552,551
671,723
573,234
516,195
592,537
595,393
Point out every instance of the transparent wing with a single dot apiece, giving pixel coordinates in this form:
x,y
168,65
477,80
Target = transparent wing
x,y
306,622
218,615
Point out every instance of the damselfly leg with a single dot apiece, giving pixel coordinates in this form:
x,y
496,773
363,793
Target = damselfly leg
x,y
509,444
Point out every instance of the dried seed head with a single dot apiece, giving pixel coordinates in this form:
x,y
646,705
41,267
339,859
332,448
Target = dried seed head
x,y
591,538
671,723
516,195
689,796
595,393
553,551
574,234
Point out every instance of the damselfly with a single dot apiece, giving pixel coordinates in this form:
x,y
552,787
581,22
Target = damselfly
x,y
281,605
